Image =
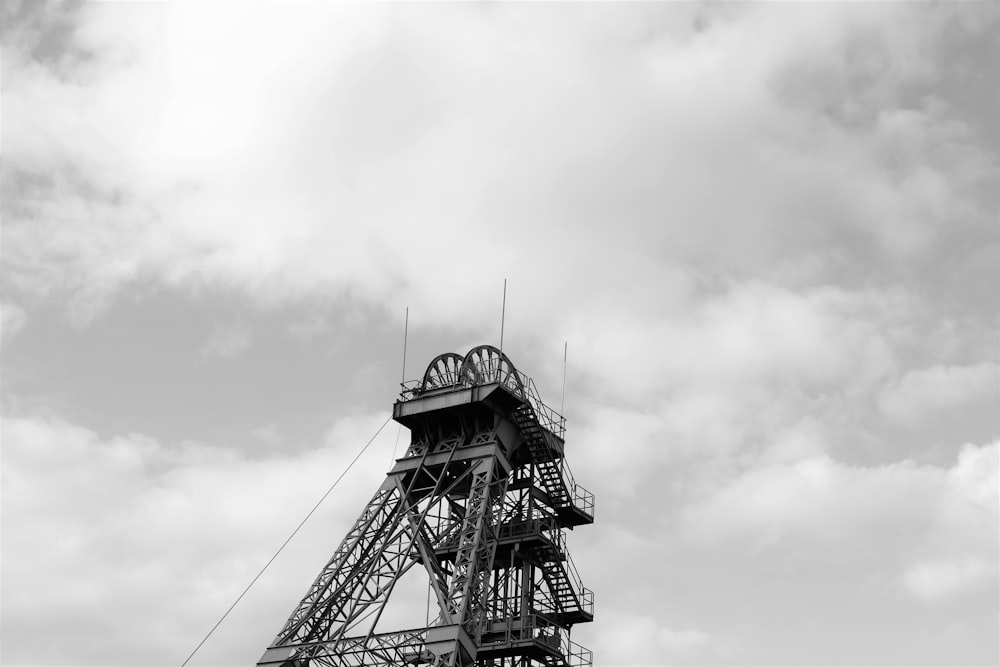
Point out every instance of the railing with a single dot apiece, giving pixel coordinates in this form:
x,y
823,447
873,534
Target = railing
x,y
580,497
585,596
537,630
547,417
495,370
505,530
409,389
576,655
525,527
587,601
530,629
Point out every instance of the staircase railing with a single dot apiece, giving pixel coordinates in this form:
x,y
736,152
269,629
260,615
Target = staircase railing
x,y
547,417
580,497
584,596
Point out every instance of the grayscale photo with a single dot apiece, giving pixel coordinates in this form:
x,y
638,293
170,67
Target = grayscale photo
x,y
499,334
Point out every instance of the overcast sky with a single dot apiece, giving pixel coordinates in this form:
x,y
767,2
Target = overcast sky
x,y
768,233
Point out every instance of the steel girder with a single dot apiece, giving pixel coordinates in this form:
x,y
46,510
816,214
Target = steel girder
x,y
411,513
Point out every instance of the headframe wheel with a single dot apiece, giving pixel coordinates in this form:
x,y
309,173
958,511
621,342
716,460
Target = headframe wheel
x,y
486,364
482,365
443,371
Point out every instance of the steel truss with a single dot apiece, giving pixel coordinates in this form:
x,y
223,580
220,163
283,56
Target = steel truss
x,y
481,501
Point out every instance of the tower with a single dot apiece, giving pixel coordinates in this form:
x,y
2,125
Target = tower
x,y
481,501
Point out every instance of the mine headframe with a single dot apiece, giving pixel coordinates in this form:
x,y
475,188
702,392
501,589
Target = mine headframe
x,y
480,501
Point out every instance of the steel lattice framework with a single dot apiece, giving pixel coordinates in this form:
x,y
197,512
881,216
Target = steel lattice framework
x,y
481,500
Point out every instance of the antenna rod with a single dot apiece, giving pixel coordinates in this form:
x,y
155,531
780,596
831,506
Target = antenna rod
x,y
503,312
562,405
406,331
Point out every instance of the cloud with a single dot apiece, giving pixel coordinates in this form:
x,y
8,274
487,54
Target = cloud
x,y
753,332
173,176
848,543
933,530
975,476
171,532
837,502
942,580
681,640
926,394
641,640
227,342
269,434
765,231
752,372
312,325
12,319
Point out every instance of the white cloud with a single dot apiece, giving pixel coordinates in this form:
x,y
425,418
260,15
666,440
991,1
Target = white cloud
x,y
820,501
934,530
633,639
312,325
268,434
12,320
743,218
196,175
170,532
924,395
816,543
754,371
227,342
745,336
975,478
942,580
682,640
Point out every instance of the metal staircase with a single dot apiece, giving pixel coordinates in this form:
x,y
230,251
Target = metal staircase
x,y
573,504
573,602
549,470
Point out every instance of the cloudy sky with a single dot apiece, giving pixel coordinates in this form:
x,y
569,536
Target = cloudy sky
x,y
768,234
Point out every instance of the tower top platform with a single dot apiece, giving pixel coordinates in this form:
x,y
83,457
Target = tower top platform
x,y
450,378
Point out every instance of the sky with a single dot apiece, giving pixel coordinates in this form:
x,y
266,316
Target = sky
x,y
767,235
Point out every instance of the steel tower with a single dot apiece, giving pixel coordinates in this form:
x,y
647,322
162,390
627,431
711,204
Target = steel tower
x,y
481,500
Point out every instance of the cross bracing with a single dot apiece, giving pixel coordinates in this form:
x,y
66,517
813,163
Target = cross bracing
x,y
480,502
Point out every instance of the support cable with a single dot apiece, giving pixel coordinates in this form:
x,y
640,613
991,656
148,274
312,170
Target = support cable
x,y
503,312
402,380
406,332
395,447
562,404
285,543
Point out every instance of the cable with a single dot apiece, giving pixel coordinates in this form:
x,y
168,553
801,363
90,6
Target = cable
x,y
396,446
281,548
